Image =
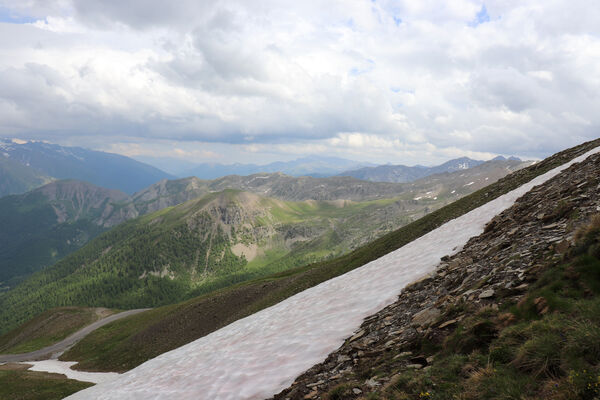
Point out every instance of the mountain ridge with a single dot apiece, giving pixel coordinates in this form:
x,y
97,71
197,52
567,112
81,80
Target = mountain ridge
x,y
315,166
110,170
403,173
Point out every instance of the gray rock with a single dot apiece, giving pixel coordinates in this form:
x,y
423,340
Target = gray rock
x,y
426,317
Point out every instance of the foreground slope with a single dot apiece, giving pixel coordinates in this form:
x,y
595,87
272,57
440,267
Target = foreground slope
x,y
256,356
512,315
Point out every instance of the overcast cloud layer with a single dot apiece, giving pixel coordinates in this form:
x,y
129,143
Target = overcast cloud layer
x,y
226,81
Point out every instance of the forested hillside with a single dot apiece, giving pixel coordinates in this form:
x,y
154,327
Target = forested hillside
x,y
42,226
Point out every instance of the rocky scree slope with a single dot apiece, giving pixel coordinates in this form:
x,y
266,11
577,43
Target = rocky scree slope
x,y
469,329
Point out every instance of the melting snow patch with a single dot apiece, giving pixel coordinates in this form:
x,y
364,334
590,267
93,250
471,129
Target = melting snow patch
x,y
469,184
454,191
258,356
64,367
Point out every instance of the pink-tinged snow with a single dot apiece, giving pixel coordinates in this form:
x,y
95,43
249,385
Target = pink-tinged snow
x,y
260,355
64,367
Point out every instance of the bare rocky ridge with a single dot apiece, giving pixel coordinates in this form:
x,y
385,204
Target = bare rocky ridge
x,y
284,187
494,268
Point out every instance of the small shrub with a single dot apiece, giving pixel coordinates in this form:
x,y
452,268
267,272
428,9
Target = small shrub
x,y
497,383
474,335
589,230
541,354
584,341
339,392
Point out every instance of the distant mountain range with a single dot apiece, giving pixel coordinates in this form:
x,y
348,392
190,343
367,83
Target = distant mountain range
x,y
403,173
27,165
24,166
315,166
318,167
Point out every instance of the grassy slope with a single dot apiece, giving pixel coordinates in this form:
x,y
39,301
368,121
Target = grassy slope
x,y
18,384
541,354
47,328
129,342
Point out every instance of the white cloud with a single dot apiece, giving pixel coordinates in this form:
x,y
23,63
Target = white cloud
x,y
375,80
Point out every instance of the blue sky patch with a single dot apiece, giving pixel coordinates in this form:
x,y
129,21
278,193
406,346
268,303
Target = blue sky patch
x,y
481,17
9,16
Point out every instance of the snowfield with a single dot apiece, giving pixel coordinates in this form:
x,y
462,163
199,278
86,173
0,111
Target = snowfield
x,y
64,367
260,355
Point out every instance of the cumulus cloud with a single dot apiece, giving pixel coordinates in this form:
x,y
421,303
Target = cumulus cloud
x,y
379,80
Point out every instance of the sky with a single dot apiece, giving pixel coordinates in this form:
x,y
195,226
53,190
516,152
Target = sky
x,y
402,82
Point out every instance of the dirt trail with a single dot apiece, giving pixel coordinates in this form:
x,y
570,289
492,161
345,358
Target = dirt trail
x,y
55,350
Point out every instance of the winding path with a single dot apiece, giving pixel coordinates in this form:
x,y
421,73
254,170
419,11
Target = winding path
x,y
55,350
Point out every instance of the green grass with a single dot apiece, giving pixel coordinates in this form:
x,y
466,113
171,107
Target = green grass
x,y
156,334
28,385
47,328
